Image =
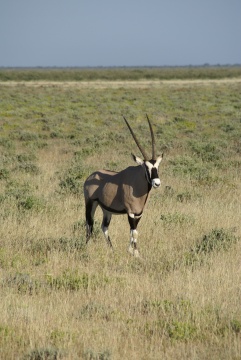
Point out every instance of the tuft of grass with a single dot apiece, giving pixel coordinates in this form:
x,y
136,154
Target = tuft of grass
x,y
176,218
73,178
90,354
73,281
22,282
69,281
216,240
178,330
236,326
4,174
49,353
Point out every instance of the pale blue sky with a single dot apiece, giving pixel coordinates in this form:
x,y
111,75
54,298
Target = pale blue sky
x,y
119,33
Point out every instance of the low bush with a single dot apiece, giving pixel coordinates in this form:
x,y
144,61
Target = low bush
x,y
176,218
72,180
22,282
49,353
69,281
215,241
90,354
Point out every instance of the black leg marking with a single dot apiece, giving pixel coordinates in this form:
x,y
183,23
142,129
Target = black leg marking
x,y
133,235
89,214
133,222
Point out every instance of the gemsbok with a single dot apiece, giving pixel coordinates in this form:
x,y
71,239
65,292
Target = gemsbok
x,y
124,192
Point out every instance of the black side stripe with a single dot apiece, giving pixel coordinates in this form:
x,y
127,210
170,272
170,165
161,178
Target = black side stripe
x,y
116,211
110,209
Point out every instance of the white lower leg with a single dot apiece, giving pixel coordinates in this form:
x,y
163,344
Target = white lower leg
x,y
105,231
133,241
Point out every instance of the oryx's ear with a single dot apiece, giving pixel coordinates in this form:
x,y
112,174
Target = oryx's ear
x,y
138,160
158,160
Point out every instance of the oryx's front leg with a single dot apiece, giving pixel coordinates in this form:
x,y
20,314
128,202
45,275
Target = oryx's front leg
x,y
133,221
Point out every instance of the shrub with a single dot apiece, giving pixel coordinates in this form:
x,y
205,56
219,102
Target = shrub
x,y
176,219
69,281
44,354
187,196
90,354
73,281
39,249
22,282
165,307
70,184
94,310
22,194
236,326
71,244
25,163
4,174
30,202
28,136
17,190
5,331
195,169
178,330
217,239
8,144
207,151
186,165
28,167
72,180
22,158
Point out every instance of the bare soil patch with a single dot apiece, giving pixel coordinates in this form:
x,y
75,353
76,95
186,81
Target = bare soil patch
x,y
102,84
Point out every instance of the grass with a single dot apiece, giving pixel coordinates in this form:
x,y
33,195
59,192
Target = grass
x,y
63,299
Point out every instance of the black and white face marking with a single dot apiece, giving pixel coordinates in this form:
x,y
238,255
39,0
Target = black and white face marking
x,y
151,168
152,172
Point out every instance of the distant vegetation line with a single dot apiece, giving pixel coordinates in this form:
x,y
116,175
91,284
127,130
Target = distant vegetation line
x,y
119,73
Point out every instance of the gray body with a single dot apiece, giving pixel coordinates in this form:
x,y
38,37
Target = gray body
x,y
118,192
124,192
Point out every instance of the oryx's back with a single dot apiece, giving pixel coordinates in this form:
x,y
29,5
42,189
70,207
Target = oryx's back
x,y
118,192
104,186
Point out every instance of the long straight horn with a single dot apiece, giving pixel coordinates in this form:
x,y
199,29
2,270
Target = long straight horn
x,y
153,143
137,142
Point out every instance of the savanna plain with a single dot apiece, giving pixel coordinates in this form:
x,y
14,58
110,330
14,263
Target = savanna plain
x,y
63,299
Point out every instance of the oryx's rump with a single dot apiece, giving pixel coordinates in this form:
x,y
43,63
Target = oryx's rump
x,y
118,192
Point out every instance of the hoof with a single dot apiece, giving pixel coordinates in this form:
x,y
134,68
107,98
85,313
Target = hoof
x,y
134,252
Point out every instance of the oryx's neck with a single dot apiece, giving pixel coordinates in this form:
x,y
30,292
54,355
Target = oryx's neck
x,y
135,189
135,184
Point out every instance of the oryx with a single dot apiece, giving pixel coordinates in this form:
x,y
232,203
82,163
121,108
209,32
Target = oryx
x,y
124,192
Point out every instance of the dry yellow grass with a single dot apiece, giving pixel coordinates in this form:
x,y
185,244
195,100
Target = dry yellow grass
x,y
60,299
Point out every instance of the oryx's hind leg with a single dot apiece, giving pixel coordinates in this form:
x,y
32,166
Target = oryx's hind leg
x,y
133,221
105,225
89,215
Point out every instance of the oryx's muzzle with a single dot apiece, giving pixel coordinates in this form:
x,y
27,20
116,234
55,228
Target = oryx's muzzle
x,y
156,183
